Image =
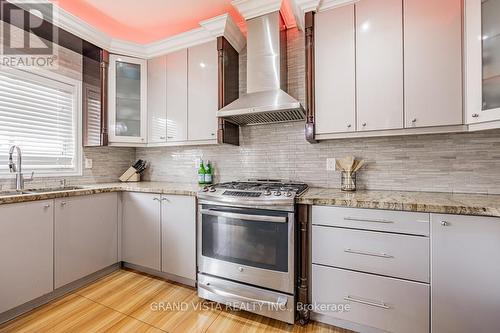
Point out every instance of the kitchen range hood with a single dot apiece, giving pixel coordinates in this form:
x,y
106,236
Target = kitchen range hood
x,y
266,100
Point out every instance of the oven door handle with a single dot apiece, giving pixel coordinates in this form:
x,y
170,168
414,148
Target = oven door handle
x,y
248,217
280,302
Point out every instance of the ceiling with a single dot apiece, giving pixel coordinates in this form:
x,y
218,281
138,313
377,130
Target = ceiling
x,y
146,21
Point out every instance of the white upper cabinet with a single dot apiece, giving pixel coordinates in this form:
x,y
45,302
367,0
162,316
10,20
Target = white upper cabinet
x,y
335,71
157,99
203,89
127,99
482,41
177,96
379,64
433,62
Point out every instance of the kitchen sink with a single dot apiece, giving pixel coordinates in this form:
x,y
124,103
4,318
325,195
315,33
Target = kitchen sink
x,y
52,189
39,190
9,193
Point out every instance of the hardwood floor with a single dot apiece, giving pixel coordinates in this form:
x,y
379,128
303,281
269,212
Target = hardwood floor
x,y
128,301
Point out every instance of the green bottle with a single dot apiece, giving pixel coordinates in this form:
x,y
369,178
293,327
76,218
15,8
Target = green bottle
x,y
201,173
208,173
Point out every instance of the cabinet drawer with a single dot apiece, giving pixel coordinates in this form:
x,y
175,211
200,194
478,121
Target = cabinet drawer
x,y
372,219
380,302
395,255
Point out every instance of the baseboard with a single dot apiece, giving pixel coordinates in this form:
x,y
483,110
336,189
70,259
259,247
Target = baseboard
x,y
343,323
57,293
163,275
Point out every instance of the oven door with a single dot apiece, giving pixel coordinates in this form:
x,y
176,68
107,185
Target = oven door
x,y
248,245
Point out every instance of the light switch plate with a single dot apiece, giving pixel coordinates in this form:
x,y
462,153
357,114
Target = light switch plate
x,y
88,163
330,164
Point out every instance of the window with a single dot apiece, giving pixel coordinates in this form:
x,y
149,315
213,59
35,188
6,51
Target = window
x,y
40,113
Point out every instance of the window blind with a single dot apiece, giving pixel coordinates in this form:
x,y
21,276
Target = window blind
x,y
93,100
39,115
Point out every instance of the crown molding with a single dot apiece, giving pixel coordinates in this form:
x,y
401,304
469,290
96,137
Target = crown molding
x,y
287,13
254,8
330,4
301,7
222,25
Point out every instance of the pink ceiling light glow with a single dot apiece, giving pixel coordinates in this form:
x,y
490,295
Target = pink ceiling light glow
x,y
147,20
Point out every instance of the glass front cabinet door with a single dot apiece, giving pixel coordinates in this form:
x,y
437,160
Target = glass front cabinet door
x,y
127,99
482,50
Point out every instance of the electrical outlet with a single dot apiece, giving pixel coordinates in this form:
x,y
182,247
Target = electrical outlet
x,y
88,163
330,164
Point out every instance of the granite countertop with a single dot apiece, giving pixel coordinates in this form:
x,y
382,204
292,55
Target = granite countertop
x,y
426,202
146,187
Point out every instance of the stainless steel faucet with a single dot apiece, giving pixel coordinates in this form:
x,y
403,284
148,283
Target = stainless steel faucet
x,y
17,168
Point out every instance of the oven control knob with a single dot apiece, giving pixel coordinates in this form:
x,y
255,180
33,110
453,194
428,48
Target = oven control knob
x,y
212,189
204,189
288,194
240,269
267,192
277,193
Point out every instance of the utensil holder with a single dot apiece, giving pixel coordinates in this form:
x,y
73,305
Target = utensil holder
x,y
348,181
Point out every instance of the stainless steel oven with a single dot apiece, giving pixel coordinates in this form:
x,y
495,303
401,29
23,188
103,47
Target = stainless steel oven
x,y
249,245
246,246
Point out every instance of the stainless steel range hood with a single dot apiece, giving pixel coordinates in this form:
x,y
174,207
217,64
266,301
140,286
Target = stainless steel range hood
x,y
266,100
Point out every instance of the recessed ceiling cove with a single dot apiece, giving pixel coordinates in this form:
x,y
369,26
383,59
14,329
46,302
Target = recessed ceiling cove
x,y
146,21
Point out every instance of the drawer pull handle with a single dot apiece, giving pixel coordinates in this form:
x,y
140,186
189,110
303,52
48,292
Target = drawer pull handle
x,y
377,304
360,219
366,253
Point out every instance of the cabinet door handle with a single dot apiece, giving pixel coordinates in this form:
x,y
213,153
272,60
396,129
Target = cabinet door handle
x,y
170,137
475,115
360,219
164,199
162,138
46,206
445,224
364,124
157,199
366,253
378,304
63,203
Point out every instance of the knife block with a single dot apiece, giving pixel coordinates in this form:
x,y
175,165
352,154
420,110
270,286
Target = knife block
x,y
130,175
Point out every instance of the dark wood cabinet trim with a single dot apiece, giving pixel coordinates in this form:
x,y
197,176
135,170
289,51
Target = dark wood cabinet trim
x,y
310,127
228,62
104,66
303,279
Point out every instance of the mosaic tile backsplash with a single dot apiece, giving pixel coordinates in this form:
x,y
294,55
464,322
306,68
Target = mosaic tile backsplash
x,y
465,162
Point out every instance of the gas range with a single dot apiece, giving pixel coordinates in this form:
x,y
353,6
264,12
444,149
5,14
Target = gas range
x,y
246,245
254,193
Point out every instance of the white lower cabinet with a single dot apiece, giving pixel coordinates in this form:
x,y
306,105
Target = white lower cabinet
x,y
141,229
159,233
375,261
178,230
465,274
401,256
86,236
26,252
378,302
